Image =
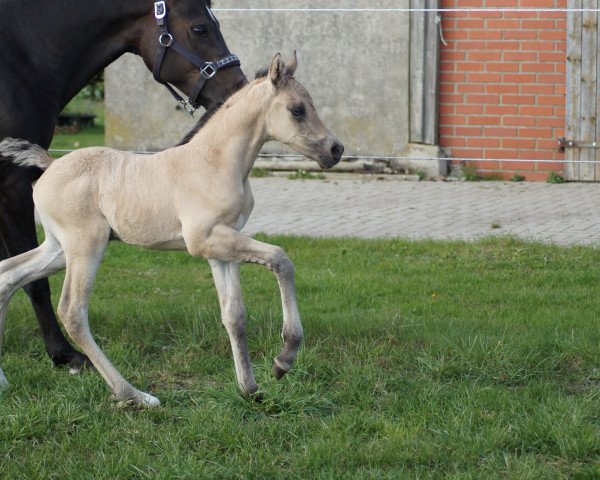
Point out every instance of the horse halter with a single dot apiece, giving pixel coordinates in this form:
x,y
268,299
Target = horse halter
x,y
207,69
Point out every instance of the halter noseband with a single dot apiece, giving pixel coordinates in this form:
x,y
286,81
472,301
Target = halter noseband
x,y
207,69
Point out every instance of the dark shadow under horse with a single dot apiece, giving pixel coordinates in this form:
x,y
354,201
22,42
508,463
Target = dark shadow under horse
x,y
49,51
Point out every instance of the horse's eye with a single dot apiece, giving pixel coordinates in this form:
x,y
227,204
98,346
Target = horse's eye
x,y
199,30
298,111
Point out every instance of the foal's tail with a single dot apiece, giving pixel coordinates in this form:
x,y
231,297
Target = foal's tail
x,y
24,153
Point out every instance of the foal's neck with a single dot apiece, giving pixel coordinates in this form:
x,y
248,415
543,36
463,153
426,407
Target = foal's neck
x,y
236,132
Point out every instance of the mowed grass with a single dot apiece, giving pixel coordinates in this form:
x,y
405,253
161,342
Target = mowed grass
x,y
421,360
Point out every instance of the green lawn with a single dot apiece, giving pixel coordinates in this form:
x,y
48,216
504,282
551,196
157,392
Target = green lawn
x,y
86,137
421,360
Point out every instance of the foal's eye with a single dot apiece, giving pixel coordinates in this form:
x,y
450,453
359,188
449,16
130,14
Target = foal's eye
x,y
298,111
199,30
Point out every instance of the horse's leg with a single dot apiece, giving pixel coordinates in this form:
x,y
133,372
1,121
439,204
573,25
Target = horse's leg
x,y
82,266
18,271
226,244
17,232
233,316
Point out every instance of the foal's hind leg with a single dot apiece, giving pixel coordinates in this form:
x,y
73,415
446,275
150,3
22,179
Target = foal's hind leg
x,y
233,316
73,311
17,234
17,271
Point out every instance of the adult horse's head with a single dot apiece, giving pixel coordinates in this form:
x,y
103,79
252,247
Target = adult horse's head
x,y
182,45
293,120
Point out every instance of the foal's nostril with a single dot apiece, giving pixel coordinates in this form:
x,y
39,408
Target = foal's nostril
x,y
336,151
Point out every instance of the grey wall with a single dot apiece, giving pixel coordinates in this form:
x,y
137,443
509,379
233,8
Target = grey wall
x,y
356,66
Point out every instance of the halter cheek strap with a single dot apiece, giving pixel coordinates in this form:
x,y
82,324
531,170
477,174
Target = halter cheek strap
x,y
207,69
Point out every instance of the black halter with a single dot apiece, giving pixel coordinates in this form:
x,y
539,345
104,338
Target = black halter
x,y
207,69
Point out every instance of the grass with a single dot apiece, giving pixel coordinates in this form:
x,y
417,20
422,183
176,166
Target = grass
x,y
421,360
87,136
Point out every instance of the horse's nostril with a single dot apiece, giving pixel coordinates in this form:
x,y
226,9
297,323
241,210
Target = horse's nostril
x,y
337,150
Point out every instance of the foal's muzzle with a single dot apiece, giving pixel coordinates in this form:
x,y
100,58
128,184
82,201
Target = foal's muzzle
x,y
333,151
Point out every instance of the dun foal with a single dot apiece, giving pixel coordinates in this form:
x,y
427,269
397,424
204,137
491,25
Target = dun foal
x,y
194,197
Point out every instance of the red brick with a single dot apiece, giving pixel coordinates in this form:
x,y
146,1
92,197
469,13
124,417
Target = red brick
x,y
538,88
520,35
538,67
483,142
483,120
536,133
484,56
518,99
470,66
469,109
551,100
500,132
518,143
473,88
502,88
520,56
502,67
484,99
468,131
485,35
502,24
470,23
501,110
519,78
519,121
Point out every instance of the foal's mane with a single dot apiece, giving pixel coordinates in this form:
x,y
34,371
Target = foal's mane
x,y
260,75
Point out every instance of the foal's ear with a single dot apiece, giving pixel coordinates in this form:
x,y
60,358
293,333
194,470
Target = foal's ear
x,y
290,68
276,70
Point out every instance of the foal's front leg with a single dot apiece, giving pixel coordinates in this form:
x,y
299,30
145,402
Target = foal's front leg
x,y
226,244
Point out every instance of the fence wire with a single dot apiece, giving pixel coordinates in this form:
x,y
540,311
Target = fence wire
x,y
407,10
385,158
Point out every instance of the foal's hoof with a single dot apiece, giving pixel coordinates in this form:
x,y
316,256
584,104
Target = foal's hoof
x,y
142,399
3,381
278,371
148,400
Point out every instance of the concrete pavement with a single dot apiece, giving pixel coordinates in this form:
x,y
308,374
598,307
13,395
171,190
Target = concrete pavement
x,y
566,214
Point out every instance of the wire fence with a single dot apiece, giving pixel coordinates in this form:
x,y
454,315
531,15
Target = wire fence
x,y
406,10
380,157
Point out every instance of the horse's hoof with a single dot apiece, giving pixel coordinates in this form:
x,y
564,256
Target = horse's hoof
x,y
75,361
257,397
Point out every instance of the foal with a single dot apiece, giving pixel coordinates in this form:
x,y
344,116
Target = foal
x,y
194,197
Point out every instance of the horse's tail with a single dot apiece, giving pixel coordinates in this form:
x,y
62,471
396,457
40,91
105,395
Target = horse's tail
x,y
24,153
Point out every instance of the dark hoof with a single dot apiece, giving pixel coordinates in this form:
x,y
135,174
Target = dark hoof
x,y
258,397
278,371
75,361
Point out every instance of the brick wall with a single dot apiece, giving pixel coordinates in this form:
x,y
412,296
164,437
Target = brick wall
x,y
502,86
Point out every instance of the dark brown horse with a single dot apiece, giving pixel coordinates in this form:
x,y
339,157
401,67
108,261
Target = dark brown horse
x,y
49,51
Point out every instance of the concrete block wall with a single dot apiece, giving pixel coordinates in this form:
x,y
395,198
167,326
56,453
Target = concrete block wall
x,y
502,86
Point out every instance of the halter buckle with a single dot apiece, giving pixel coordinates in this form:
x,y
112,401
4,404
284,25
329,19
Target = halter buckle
x,y
208,70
